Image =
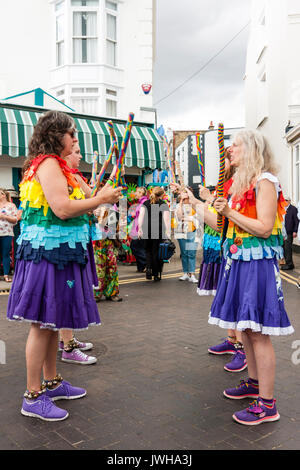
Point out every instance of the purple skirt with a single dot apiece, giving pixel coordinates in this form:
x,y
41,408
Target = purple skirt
x,y
249,296
208,278
54,298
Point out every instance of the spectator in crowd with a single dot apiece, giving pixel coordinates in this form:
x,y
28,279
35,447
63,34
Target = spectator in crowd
x,y
8,218
137,245
154,226
186,238
290,229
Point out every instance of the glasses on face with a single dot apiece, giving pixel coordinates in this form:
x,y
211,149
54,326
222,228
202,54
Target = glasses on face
x,y
72,133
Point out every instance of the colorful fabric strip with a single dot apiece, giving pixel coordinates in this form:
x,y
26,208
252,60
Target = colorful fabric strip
x,y
255,249
60,256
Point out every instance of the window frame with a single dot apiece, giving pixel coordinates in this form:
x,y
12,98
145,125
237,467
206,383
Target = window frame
x,y
85,6
82,10
60,43
109,40
85,95
111,95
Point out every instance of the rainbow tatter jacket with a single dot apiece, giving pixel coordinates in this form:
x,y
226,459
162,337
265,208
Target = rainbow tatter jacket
x,y
43,234
240,245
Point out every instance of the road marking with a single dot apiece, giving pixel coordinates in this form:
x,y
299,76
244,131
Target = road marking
x,y
138,279
288,279
289,275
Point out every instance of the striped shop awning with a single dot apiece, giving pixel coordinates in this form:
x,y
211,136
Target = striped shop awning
x,y
145,149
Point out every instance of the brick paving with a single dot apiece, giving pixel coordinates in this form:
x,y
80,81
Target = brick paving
x,y
154,385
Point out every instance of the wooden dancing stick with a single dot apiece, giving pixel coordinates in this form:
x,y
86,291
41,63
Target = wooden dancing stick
x,y
200,158
121,159
220,187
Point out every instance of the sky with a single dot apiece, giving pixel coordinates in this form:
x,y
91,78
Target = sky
x,y
188,34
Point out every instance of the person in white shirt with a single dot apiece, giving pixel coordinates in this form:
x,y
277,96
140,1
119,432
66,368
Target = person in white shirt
x,y
8,218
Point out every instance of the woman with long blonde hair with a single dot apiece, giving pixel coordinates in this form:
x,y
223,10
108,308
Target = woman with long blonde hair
x,y
249,296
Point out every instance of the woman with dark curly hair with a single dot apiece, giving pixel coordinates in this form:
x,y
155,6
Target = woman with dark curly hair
x,y
52,286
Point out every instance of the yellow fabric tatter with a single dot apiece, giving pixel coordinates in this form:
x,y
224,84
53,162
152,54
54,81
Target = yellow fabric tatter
x,y
211,209
31,192
77,194
232,231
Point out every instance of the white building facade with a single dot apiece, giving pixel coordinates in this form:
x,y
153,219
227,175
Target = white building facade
x,y
93,55
186,156
272,83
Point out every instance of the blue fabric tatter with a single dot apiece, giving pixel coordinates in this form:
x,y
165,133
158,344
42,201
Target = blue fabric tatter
x,y
212,256
71,284
54,236
211,242
211,248
59,256
95,232
253,253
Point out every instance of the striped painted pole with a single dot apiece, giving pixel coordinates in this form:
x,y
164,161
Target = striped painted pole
x,y
103,169
168,153
94,169
114,139
220,187
200,158
121,159
113,149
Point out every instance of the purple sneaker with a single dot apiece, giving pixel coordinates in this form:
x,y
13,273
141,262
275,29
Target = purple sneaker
x,y
257,413
77,357
238,363
64,391
79,345
227,347
43,408
243,390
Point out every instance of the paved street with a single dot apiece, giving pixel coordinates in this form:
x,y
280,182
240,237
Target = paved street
x,y
154,386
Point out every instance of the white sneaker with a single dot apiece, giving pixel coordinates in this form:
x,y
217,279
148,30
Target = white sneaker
x,y
185,277
193,279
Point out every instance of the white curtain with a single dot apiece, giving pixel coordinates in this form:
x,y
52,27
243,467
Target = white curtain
x,y
111,27
91,23
85,105
110,53
59,28
85,27
60,53
88,3
111,108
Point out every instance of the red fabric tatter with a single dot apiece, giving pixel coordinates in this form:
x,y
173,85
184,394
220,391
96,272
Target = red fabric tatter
x,y
281,206
246,205
77,172
30,173
227,187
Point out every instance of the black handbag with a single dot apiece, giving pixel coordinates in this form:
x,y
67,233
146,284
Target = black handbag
x,y
166,250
